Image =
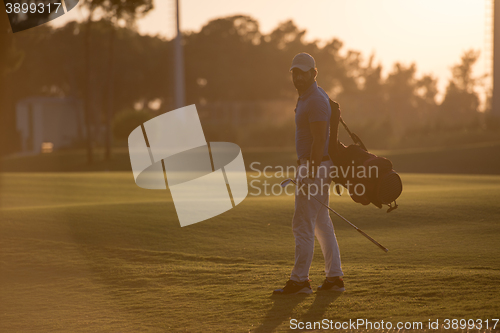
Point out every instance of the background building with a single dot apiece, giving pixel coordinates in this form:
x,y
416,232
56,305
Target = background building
x,y
48,123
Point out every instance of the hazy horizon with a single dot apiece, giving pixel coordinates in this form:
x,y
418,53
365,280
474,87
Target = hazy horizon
x,y
432,34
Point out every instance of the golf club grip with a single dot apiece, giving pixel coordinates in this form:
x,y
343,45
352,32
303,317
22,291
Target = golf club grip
x,y
373,241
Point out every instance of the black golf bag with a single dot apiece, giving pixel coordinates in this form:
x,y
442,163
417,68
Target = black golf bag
x,y
355,166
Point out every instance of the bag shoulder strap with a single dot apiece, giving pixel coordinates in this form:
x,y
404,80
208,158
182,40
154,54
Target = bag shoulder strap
x,y
354,137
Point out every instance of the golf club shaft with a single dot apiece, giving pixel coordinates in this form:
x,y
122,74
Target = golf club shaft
x,y
352,225
373,240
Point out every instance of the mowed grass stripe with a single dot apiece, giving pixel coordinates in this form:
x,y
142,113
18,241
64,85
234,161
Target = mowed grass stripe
x,y
87,204
131,267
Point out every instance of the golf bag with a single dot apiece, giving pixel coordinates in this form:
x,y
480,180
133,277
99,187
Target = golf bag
x,y
355,166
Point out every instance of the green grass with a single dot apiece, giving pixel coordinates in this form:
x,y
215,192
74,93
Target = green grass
x,y
479,158
94,252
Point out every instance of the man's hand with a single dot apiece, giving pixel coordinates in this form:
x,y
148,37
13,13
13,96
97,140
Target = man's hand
x,y
302,179
305,181
304,185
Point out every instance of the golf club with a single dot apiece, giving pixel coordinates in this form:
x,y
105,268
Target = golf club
x,y
288,181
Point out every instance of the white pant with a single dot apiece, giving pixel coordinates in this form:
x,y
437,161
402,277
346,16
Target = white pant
x,y
311,218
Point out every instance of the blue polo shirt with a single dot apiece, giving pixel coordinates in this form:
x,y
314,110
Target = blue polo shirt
x,y
313,105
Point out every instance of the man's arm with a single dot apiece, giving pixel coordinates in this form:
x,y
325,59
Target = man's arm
x,y
318,131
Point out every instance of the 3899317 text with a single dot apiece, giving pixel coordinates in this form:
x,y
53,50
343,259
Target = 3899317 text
x,y
32,7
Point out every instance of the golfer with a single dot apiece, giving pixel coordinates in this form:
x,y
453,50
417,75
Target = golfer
x,y
312,121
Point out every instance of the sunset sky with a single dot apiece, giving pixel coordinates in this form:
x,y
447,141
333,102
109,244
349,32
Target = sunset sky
x,y
431,33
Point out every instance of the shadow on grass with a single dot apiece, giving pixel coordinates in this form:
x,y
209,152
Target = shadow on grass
x,y
282,310
322,301
283,306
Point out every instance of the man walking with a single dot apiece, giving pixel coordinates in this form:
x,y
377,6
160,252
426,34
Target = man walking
x,y
312,120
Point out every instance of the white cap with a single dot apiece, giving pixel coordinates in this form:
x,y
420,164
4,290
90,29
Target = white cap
x,y
303,61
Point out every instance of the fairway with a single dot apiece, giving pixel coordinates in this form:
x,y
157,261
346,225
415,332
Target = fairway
x,y
83,252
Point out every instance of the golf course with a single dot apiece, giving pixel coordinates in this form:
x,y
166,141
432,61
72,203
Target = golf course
x,y
91,251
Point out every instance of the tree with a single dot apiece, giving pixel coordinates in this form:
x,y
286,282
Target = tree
x,y
426,90
10,56
91,6
461,101
332,72
401,87
221,60
115,11
10,60
373,101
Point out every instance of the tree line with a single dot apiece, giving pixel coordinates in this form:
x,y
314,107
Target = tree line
x,y
112,68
